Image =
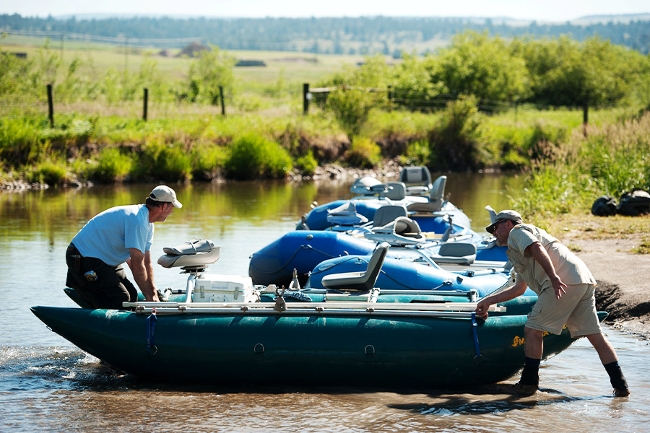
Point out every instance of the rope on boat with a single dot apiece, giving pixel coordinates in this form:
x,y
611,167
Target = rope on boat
x,y
478,357
151,332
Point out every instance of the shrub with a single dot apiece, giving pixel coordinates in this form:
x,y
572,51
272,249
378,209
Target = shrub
x,y
454,141
254,157
208,160
165,161
50,173
363,153
112,166
307,164
417,153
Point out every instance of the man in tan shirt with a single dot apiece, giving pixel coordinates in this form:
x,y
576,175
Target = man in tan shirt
x,y
565,290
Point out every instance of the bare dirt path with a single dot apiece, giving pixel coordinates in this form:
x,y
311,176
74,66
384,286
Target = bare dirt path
x,y
623,280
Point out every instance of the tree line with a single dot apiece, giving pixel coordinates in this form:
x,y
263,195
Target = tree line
x,y
494,73
360,35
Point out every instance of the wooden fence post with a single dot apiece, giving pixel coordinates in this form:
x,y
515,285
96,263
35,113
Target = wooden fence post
x,y
223,103
306,96
50,105
145,104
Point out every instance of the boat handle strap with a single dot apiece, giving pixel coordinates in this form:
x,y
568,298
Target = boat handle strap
x,y
477,349
151,333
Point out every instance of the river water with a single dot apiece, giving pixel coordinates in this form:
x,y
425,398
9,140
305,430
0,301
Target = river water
x,y
47,384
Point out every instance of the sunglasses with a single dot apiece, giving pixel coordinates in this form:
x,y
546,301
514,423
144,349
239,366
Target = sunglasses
x,y
496,226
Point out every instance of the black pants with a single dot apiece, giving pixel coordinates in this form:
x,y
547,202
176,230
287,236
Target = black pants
x,y
108,290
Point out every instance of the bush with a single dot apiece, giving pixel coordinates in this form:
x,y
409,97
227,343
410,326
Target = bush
x,y
454,141
417,153
307,164
165,161
20,142
112,166
208,160
254,157
363,153
50,173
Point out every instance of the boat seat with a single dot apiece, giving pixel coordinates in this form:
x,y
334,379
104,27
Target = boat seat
x,y
387,214
458,253
437,196
359,281
194,254
367,186
345,215
396,191
417,180
402,231
457,249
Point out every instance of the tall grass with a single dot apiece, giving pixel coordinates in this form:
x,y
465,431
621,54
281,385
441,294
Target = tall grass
x,y
611,159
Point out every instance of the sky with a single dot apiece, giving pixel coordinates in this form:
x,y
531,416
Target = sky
x,y
539,10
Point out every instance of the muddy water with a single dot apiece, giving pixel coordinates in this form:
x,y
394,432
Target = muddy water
x,y
46,384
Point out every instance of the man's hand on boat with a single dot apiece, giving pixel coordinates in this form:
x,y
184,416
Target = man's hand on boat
x,y
482,308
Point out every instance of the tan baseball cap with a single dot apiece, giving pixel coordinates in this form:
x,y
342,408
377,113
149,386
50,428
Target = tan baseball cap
x,y
165,194
504,215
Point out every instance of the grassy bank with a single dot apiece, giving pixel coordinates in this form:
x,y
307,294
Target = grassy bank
x,y
203,147
99,135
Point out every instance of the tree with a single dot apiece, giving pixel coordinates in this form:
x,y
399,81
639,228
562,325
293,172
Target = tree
x,y
210,71
477,65
358,90
590,74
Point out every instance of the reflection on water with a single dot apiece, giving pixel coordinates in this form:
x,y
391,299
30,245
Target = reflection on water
x,y
46,384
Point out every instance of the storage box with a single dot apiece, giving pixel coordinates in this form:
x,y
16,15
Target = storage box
x,y
223,288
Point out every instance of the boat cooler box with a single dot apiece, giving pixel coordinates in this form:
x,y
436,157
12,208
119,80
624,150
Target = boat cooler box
x,y
223,288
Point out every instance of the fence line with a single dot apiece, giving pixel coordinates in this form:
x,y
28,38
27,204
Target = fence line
x,y
418,101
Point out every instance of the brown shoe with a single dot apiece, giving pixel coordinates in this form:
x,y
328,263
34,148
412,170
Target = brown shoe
x,y
621,392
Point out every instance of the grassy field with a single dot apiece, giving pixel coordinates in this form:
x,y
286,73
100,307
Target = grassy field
x,y
291,66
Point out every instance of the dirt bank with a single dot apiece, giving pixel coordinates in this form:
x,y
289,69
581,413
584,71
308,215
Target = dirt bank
x,y
623,280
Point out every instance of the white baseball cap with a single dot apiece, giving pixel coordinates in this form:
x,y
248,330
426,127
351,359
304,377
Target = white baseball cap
x,y
165,194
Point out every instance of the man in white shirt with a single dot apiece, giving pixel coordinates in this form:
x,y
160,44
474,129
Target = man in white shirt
x,y
565,290
121,234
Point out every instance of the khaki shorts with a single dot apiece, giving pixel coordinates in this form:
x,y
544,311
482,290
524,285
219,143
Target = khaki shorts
x,y
576,309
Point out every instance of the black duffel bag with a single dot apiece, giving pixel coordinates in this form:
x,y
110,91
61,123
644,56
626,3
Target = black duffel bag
x,y
604,206
634,203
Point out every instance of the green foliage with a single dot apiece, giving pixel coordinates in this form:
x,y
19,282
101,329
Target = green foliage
x,y
48,172
166,161
112,166
414,81
20,141
363,153
254,157
357,91
610,160
566,72
417,153
453,142
478,65
208,160
211,70
307,164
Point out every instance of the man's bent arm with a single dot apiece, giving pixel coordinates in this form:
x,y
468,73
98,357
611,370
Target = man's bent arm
x,y
143,278
541,256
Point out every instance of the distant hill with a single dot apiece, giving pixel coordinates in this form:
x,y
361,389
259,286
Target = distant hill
x,y
360,35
